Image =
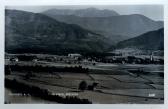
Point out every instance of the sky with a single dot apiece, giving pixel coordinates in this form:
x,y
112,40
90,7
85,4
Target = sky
x,y
155,12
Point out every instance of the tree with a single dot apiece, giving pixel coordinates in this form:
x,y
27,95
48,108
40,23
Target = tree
x,y
28,75
82,85
7,70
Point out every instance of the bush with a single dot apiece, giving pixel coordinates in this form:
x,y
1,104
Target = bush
x,y
7,70
82,85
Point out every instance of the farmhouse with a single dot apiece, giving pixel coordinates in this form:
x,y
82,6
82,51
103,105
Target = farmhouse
x,y
75,55
14,59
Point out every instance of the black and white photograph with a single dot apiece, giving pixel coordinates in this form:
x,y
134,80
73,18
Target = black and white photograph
x,y
84,54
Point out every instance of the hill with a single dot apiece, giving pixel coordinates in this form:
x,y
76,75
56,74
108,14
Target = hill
x,y
153,40
27,32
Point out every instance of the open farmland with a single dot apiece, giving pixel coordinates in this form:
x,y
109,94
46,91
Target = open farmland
x,y
116,83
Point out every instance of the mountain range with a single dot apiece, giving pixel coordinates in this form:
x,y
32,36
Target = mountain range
x,y
113,26
88,12
28,32
38,33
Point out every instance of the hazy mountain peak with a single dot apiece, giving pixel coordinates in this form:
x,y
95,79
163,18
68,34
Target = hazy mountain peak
x,y
88,12
90,8
117,28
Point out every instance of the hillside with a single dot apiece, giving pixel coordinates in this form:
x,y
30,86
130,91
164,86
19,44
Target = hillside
x,y
153,40
27,32
117,28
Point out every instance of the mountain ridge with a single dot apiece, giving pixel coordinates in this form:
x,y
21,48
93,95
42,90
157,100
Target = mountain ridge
x,y
88,12
34,32
125,26
153,40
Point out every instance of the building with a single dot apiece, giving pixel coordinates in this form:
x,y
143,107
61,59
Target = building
x,y
14,59
75,55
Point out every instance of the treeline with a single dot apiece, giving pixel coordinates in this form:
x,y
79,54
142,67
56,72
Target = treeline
x,y
43,93
40,68
26,58
132,59
60,50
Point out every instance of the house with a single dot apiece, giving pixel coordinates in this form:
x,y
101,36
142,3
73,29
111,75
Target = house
x,y
93,86
14,59
35,60
75,55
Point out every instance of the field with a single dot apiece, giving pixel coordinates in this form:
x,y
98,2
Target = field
x,y
116,83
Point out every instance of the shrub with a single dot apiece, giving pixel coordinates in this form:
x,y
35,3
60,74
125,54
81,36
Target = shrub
x,y
82,85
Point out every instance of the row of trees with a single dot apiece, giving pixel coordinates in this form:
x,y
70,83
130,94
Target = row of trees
x,y
43,93
40,68
132,59
26,58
